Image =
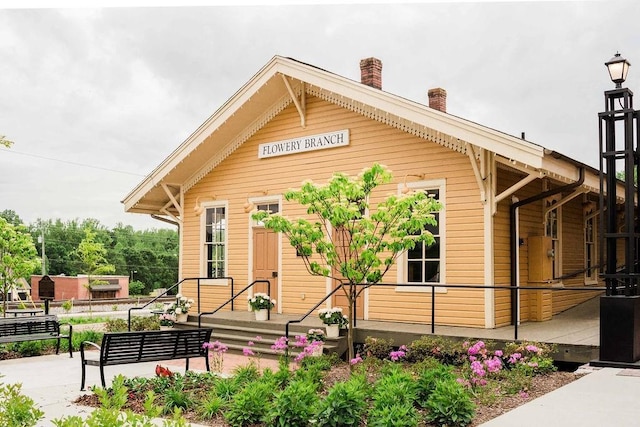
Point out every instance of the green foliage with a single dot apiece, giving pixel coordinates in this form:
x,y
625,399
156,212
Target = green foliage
x,y
138,323
445,350
136,287
427,380
16,409
395,386
211,406
450,404
67,305
18,256
250,405
115,325
366,240
345,403
245,374
395,415
294,405
377,347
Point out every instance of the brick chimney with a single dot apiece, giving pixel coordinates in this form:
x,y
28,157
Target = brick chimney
x,y
371,72
438,99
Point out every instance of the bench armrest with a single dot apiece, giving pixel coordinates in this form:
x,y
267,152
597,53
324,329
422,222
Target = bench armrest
x,y
87,343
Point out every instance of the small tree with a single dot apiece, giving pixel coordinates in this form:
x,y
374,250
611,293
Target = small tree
x,y
92,256
18,256
349,241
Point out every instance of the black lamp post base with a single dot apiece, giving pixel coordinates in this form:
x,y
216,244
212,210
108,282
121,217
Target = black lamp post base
x,y
619,329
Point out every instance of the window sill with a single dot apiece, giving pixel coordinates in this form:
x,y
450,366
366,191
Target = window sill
x,y
438,288
214,282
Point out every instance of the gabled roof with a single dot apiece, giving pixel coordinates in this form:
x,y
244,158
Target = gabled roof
x,y
270,91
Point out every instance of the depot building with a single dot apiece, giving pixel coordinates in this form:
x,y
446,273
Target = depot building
x,y
514,213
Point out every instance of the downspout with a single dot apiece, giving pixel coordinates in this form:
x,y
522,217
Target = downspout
x,y
514,241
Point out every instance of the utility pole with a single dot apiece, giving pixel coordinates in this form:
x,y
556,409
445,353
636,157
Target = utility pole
x,y
41,241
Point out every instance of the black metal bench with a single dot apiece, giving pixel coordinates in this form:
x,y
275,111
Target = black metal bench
x,y
30,328
119,348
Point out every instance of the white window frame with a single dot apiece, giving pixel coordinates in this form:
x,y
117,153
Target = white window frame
x,y
556,240
435,184
203,243
591,278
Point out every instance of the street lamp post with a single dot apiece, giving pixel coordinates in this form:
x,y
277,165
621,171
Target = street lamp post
x,y
619,237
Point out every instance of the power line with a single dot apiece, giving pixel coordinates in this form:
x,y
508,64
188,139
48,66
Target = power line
x,y
72,163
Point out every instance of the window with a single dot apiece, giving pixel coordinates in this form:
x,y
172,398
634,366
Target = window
x,y
590,249
215,241
552,229
423,262
272,208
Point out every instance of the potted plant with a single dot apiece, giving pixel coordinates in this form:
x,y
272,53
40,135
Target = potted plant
x,y
315,339
166,321
261,303
180,308
334,319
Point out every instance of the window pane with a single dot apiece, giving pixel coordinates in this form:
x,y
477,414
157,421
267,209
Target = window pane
x,y
432,271
433,251
414,271
416,252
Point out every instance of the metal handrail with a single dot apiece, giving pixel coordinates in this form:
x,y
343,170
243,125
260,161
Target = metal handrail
x,y
233,297
304,316
164,294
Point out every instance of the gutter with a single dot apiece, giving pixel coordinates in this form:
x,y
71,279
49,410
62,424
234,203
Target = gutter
x,y
514,240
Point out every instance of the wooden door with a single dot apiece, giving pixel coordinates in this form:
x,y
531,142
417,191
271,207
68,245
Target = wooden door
x,y
340,238
265,259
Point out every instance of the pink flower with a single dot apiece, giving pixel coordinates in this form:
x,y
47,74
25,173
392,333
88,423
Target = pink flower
x,y
533,349
248,352
356,360
498,353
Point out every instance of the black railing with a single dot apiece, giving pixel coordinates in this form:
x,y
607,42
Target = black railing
x,y
433,287
166,293
233,297
304,316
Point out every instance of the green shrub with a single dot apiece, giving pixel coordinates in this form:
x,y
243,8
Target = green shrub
x,y
250,405
211,406
445,350
31,348
67,306
16,409
226,388
427,380
395,386
396,415
449,404
345,403
246,374
294,405
378,347
115,325
136,287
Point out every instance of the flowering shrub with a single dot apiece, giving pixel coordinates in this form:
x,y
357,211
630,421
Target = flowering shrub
x,y
333,316
261,301
180,306
400,353
167,319
485,364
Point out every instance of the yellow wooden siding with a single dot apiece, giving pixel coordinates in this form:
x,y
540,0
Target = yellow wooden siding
x,y
243,175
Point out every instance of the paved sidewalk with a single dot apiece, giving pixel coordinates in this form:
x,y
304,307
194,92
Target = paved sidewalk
x,y
604,397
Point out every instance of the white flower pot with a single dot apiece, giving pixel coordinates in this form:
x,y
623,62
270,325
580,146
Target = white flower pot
x,y
181,318
333,331
165,328
262,315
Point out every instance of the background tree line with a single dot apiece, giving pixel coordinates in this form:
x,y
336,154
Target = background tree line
x,y
149,257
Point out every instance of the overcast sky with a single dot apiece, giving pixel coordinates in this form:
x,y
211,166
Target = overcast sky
x,y
94,99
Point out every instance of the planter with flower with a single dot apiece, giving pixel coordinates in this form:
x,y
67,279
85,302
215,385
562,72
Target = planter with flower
x,y
180,308
261,303
315,340
166,321
334,319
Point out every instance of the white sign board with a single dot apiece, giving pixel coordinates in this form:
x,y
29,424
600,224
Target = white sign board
x,y
306,143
